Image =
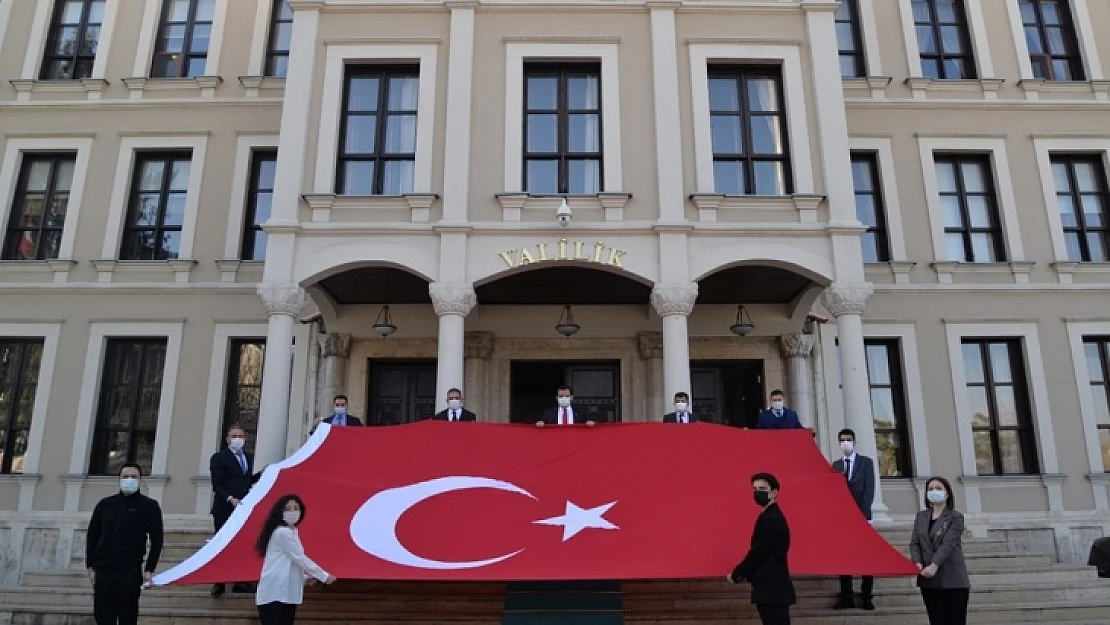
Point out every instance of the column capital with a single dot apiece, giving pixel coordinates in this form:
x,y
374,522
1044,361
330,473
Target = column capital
x,y
282,299
676,299
335,344
650,345
796,345
847,298
452,299
478,344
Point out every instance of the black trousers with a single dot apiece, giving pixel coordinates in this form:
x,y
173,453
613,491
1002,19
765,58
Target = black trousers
x,y
277,613
946,606
116,595
773,614
846,593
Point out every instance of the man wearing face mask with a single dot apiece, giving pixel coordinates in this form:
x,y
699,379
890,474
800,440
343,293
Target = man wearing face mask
x,y
778,416
455,410
232,472
859,473
681,412
115,547
765,564
564,414
339,414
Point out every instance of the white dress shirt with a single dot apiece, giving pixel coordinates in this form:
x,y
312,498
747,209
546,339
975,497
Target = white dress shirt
x,y
851,464
559,415
682,417
284,569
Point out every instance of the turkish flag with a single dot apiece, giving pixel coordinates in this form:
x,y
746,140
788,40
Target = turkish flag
x,y
474,501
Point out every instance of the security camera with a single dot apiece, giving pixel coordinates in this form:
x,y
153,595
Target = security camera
x,y
816,318
563,214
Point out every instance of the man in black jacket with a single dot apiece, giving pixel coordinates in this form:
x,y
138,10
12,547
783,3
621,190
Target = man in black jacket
x,y
765,565
232,474
116,545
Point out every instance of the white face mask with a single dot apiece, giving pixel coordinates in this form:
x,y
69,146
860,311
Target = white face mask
x,y
291,518
236,443
680,406
847,447
128,485
340,410
454,404
563,401
777,404
936,495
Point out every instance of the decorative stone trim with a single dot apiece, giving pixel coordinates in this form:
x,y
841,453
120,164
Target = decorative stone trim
x,y
847,298
20,478
1019,269
611,205
875,85
282,299
206,85
364,208
478,345
450,299
107,269
56,268
922,86
231,270
1065,269
674,300
803,205
796,345
255,85
335,344
1034,87
899,269
1101,89
650,345
91,87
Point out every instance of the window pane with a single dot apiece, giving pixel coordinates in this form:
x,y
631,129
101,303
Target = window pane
x,y
978,407
1071,240
202,33
1000,363
1096,244
974,177
869,241
1060,177
1086,177
1093,211
542,176
362,94
950,211
584,176
887,446
1006,403
582,92
770,178
882,408
728,177
262,206
848,67
1094,364
947,11
360,137
766,135
1102,409
174,40
954,243
205,10
71,12
398,177
862,175
403,93
1010,450
146,209
982,246
151,178
1104,443
926,44
946,177
979,209
950,40
400,134
179,175
763,94
170,246
358,178
267,166
283,36
1068,216
878,365
584,133
1033,40
728,134
984,454
543,93
865,210
38,178
175,210
543,134
973,363
724,95
63,177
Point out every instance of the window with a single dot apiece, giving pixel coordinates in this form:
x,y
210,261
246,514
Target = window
x,y
377,152
562,128
243,393
969,209
943,39
1050,37
1097,351
869,207
748,126
888,407
259,200
20,359
39,207
127,413
74,35
183,38
281,34
159,188
1084,205
998,399
849,40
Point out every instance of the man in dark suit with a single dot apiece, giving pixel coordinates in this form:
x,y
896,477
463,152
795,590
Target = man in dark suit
x,y
681,412
765,565
859,472
455,410
232,474
564,414
339,414
777,416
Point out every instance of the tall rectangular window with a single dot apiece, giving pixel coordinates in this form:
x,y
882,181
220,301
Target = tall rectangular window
x,y
377,150
969,209
888,407
849,39
869,207
39,207
259,201
74,36
997,395
127,413
1083,202
156,211
183,38
281,35
748,125
1050,36
1097,351
943,39
20,360
562,128
243,390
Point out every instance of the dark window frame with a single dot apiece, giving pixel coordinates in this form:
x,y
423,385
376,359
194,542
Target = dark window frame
x,y
857,52
24,345
961,194
1044,61
1081,229
187,52
252,231
897,388
563,71
127,243
273,53
382,112
741,74
14,231
99,459
940,56
82,64
1102,344
233,385
1026,435
879,230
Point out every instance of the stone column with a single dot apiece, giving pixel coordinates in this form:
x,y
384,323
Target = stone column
x,y
477,348
795,350
650,345
452,303
283,302
332,375
674,303
846,301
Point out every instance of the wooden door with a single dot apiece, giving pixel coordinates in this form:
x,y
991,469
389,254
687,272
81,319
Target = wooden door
x,y
401,391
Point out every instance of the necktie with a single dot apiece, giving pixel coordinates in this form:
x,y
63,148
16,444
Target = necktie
x,y
684,418
454,416
242,461
563,418
340,420
848,468
778,414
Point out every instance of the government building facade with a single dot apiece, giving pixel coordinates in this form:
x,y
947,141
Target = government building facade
x,y
222,211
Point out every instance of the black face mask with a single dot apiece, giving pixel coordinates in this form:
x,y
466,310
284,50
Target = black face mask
x,y
762,497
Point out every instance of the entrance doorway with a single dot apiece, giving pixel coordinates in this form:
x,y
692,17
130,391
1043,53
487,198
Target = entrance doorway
x,y
596,384
727,392
401,391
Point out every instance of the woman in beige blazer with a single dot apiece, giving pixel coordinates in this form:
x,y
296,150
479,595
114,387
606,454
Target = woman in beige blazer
x,y
936,547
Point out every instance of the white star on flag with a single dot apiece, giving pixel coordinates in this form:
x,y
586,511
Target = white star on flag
x,y
576,519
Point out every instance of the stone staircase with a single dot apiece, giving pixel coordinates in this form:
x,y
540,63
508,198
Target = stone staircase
x,y
1009,588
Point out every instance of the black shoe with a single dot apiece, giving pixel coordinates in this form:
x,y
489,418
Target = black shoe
x,y
867,604
217,590
242,588
844,604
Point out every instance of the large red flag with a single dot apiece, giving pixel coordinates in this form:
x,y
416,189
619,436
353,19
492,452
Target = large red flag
x,y
474,501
